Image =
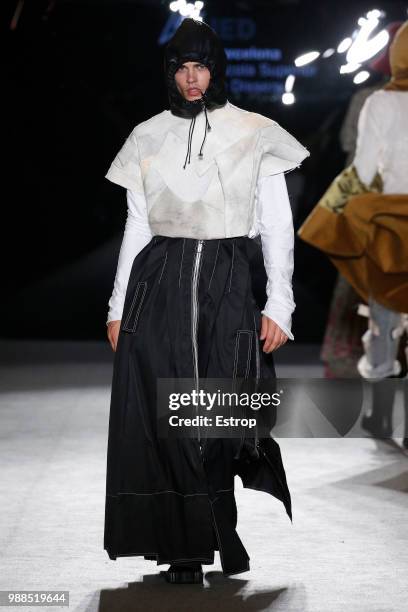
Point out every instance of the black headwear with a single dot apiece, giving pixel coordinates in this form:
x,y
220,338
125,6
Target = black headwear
x,y
195,41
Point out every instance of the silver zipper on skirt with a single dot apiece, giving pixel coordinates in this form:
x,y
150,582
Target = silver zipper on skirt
x,y
194,316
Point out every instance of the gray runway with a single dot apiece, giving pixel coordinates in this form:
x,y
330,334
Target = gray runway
x,y
346,549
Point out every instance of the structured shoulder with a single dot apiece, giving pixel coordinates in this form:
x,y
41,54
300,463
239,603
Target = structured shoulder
x,y
157,123
270,131
249,118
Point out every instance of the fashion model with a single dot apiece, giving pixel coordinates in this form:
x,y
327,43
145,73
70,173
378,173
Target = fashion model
x,y
203,179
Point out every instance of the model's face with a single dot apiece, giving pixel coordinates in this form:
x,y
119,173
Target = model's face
x,y
192,78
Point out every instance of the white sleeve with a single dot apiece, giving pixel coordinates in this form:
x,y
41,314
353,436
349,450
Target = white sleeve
x,y
368,148
136,235
275,223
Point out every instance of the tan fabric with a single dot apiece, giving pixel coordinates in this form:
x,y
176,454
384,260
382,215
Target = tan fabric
x,y
345,185
399,60
367,241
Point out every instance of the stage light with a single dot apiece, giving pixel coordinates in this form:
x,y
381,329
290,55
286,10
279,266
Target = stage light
x,y
361,76
306,58
375,14
184,10
364,47
290,80
288,98
344,45
328,53
347,68
187,9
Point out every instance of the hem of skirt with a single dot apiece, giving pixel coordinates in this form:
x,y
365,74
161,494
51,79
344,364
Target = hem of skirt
x,y
241,571
272,495
146,555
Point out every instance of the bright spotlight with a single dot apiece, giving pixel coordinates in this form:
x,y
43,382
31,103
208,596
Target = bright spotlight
x,y
365,48
361,77
289,83
328,53
375,14
344,45
187,9
288,98
184,10
347,68
306,58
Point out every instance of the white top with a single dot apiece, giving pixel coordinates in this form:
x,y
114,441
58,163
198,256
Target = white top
x,y
272,221
382,142
212,197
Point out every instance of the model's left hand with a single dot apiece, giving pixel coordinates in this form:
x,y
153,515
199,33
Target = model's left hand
x,y
272,334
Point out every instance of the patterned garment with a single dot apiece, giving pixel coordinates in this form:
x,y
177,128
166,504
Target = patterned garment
x,y
342,346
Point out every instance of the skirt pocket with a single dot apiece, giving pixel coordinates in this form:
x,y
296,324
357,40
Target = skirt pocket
x,y
242,353
132,317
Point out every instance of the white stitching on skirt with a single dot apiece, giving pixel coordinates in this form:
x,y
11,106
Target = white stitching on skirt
x,y
248,366
217,533
125,326
215,261
181,262
157,493
219,541
191,559
132,305
164,263
156,554
234,367
232,264
169,491
239,332
258,373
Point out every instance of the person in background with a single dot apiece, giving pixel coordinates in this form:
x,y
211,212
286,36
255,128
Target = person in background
x,y
364,214
382,146
342,347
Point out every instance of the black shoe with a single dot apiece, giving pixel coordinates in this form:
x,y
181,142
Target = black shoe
x,y
184,574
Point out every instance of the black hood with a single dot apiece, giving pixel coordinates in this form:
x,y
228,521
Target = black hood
x,y
195,41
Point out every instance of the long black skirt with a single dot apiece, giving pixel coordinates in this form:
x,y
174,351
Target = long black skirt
x,y
190,310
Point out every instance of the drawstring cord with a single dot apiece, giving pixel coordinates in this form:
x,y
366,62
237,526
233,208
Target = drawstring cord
x,y
190,137
207,129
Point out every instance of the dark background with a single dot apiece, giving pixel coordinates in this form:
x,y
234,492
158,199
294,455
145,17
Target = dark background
x,y
78,77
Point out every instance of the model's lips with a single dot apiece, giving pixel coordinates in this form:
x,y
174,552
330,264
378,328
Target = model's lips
x,y
193,91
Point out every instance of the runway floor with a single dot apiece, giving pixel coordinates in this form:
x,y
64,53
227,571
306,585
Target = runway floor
x,y
347,548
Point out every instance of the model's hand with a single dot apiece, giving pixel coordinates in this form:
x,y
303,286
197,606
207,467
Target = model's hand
x,y
113,333
272,334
